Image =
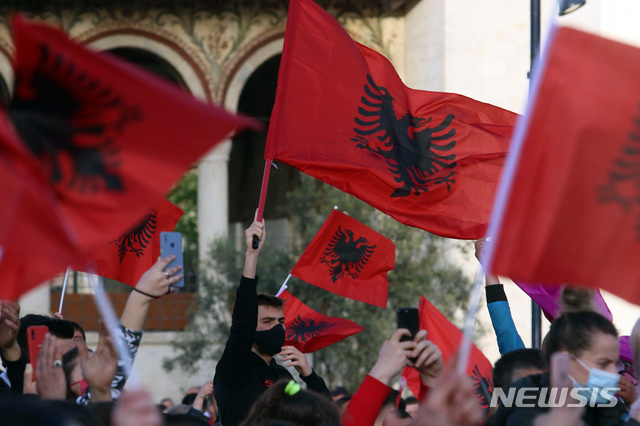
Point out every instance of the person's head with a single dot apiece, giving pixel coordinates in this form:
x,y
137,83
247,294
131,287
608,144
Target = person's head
x,y
285,400
517,364
411,406
78,332
166,403
590,339
62,329
339,392
397,418
270,333
189,398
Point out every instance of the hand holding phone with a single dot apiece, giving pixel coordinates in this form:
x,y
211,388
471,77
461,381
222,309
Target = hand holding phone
x,y
171,243
35,337
408,318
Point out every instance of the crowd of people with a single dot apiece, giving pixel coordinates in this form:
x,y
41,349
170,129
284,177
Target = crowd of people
x,y
73,385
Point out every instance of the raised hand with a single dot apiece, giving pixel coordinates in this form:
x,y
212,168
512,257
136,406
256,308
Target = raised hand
x,y
50,380
428,359
158,279
9,325
205,391
451,401
298,360
393,357
99,368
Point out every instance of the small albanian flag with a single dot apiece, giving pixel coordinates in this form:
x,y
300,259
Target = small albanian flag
x,y
348,258
343,115
570,210
448,337
131,255
309,330
101,140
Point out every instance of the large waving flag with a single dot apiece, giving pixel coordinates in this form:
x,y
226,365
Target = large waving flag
x,y
447,337
348,258
569,210
309,330
103,139
128,257
342,114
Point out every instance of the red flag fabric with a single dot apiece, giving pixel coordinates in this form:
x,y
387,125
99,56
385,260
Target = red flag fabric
x,y
348,258
104,139
309,330
448,337
572,210
342,114
131,255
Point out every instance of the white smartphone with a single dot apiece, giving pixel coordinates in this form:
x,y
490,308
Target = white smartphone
x,y
171,243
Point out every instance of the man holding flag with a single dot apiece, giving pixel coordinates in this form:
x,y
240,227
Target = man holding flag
x,y
247,366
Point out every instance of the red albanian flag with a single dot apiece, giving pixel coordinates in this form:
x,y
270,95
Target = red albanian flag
x,y
105,140
348,258
428,159
131,255
27,216
570,211
309,330
448,337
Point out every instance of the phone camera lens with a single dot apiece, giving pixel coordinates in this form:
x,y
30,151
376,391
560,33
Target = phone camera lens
x,y
173,245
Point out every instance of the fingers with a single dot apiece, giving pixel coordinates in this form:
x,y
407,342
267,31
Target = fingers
x,y
399,333
164,262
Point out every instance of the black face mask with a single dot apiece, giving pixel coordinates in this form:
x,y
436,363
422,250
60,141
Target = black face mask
x,y
270,341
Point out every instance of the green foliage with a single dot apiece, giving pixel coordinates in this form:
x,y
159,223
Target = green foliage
x,y
422,268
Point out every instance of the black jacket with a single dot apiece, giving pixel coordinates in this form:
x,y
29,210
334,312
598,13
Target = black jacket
x,y
241,375
521,416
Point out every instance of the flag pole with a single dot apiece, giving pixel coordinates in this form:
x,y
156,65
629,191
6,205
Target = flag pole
x,y
283,287
108,314
263,195
64,288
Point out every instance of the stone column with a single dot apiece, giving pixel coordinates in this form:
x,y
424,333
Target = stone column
x,y
213,200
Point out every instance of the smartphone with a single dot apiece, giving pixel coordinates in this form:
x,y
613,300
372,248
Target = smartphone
x,y
35,337
171,243
408,318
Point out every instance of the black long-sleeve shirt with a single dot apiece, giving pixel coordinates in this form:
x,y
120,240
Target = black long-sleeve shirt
x,y
241,375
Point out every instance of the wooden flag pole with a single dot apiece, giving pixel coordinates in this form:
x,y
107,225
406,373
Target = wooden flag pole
x,y
263,195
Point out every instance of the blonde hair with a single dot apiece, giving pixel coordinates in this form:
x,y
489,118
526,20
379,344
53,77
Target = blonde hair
x,y
574,299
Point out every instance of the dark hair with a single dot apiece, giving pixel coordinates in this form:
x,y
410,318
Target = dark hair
x,y
304,407
572,332
189,398
393,401
183,420
506,368
411,400
266,299
59,328
77,326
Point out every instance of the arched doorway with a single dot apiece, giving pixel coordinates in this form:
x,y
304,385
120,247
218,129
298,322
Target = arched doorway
x,y
246,161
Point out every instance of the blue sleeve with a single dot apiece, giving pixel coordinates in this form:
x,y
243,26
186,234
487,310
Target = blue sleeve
x,y
502,321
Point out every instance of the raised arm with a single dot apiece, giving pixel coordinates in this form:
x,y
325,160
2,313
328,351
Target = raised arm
x,y
244,319
499,311
154,283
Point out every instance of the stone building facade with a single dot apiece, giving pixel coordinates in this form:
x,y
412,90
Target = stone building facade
x,y
213,47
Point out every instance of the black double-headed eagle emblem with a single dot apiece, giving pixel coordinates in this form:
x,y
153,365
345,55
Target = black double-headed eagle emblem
x,y
418,155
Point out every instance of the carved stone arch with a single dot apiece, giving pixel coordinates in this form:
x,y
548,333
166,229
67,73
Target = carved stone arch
x,y
194,76
246,62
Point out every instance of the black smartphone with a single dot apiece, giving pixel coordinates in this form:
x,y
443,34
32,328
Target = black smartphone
x,y
408,318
